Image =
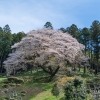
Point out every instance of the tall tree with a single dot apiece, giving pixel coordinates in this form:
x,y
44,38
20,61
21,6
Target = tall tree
x,y
6,29
62,29
17,37
48,25
95,36
47,49
5,44
85,36
73,30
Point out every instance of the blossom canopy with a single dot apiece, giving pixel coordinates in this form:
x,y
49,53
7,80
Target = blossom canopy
x,y
46,48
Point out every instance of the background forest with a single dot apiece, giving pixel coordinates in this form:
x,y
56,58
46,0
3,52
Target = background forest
x,y
90,37
38,80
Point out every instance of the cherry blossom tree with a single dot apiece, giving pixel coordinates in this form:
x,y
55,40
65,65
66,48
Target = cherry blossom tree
x,y
44,48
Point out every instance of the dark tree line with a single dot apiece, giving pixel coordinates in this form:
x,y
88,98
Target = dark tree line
x,y
7,39
90,37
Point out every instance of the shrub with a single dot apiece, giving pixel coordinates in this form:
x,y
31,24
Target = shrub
x,y
5,86
68,91
55,90
74,90
12,79
15,80
18,81
6,82
96,80
77,82
92,71
11,99
23,91
70,73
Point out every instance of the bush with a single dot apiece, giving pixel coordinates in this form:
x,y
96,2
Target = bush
x,y
55,90
74,90
19,81
92,71
15,80
5,86
12,79
11,99
77,82
96,79
68,91
70,73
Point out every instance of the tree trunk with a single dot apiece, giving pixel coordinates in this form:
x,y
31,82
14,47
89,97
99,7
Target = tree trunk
x,y
53,74
97,66
85,47
1,61
50,71
74,66
84,69
79,67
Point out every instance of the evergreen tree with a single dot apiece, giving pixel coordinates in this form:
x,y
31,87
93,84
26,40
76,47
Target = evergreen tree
x,y
17,37
55,90
63,29
5,44
48,25
85,36
74,31
95,38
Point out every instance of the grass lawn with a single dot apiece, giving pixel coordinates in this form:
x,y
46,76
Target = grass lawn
x,y
38,87
45,95
2,79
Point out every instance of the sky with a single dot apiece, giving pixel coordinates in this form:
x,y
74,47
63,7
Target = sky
x,y
26,15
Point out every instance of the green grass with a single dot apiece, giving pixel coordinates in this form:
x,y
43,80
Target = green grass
x,y
39,82
45,95
2,79
39,87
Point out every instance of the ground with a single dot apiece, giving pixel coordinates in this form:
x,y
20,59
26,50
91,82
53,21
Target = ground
x,y
38,86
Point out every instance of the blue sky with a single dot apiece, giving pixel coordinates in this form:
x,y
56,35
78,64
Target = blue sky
x,y
26,15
